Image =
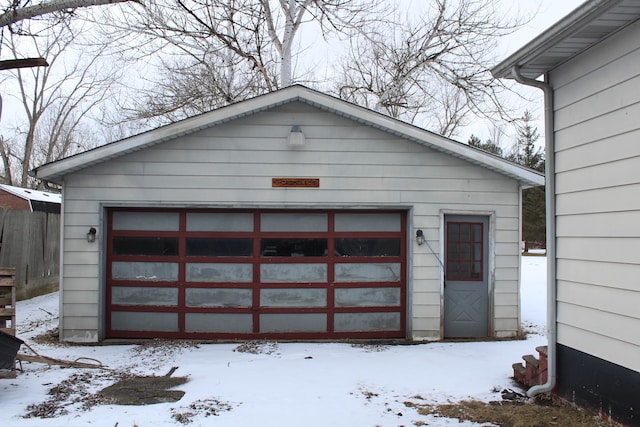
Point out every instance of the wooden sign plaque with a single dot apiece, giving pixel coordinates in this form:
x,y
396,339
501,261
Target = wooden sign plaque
x,y
295,182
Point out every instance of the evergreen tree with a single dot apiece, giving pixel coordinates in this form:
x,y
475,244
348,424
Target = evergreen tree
x,y
489,145
526,153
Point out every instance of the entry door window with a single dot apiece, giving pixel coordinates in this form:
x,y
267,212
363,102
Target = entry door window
x,y
464,251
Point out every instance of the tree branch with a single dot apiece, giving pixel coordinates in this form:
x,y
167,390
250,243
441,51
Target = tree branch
x,y
11,64
22,13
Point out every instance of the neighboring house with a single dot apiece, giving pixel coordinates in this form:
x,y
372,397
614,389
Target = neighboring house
x,y
292,215
18,198
590,61
30,238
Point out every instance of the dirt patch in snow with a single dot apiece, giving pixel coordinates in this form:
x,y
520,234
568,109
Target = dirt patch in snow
x,y
540,412
144,390
371,348
49,337
257,347
78,394
75,393
206,408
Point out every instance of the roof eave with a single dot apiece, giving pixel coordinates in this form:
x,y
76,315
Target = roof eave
x,y
557,32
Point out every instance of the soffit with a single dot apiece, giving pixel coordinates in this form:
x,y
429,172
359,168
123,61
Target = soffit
x,y
587,25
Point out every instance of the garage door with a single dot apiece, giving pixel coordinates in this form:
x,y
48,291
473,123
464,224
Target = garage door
x,y
256,274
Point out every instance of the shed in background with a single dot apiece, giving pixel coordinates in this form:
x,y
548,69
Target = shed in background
x,y
30,238
18,198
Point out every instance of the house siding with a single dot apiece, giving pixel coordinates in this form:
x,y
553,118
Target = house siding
x,y
597,106
231,166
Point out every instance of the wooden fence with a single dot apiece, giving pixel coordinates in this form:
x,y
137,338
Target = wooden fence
x,y
30,243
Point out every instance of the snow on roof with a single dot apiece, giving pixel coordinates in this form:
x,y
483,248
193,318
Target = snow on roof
x,y
29,194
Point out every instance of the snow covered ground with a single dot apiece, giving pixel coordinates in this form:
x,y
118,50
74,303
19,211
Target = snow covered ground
x,y
272,384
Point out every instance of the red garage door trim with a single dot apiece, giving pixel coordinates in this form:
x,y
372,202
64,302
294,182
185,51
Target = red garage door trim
x,y
140,306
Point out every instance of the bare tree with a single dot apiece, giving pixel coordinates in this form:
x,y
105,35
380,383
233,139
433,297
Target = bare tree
x,y
188,85
221,51
497,134
55,101
433,70
15,12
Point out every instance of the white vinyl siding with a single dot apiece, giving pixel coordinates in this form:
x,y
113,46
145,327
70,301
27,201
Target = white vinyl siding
x,y
597,121
232,165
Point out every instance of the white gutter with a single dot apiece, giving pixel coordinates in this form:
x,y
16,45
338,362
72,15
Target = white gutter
x,y
551,229
61,286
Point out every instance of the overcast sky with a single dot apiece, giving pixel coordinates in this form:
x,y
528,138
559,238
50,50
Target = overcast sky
x,y
548,13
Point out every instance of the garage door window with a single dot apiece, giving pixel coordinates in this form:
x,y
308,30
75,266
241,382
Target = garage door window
x,y
219,246
219,221
293,222
144,271
368,247
219,272
146,221
291,247
158,246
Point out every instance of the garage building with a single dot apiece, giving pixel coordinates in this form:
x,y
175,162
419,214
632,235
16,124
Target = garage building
x,y
292,215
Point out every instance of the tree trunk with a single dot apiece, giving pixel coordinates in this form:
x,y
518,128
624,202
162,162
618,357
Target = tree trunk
x,y
287,38
28,151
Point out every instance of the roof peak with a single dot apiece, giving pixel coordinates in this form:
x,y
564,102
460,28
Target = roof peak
x,y
55,171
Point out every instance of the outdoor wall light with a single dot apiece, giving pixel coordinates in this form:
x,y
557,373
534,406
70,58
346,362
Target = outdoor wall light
x,y
419,237
296,137
91,235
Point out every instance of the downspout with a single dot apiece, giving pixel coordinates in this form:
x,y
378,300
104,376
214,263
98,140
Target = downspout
x,y
551,229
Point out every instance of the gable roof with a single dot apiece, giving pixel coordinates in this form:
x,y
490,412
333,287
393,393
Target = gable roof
x,y
55,171
31,195
40,201
585,26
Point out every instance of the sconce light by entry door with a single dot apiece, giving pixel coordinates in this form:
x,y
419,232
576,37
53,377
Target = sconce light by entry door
x,y
91,235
